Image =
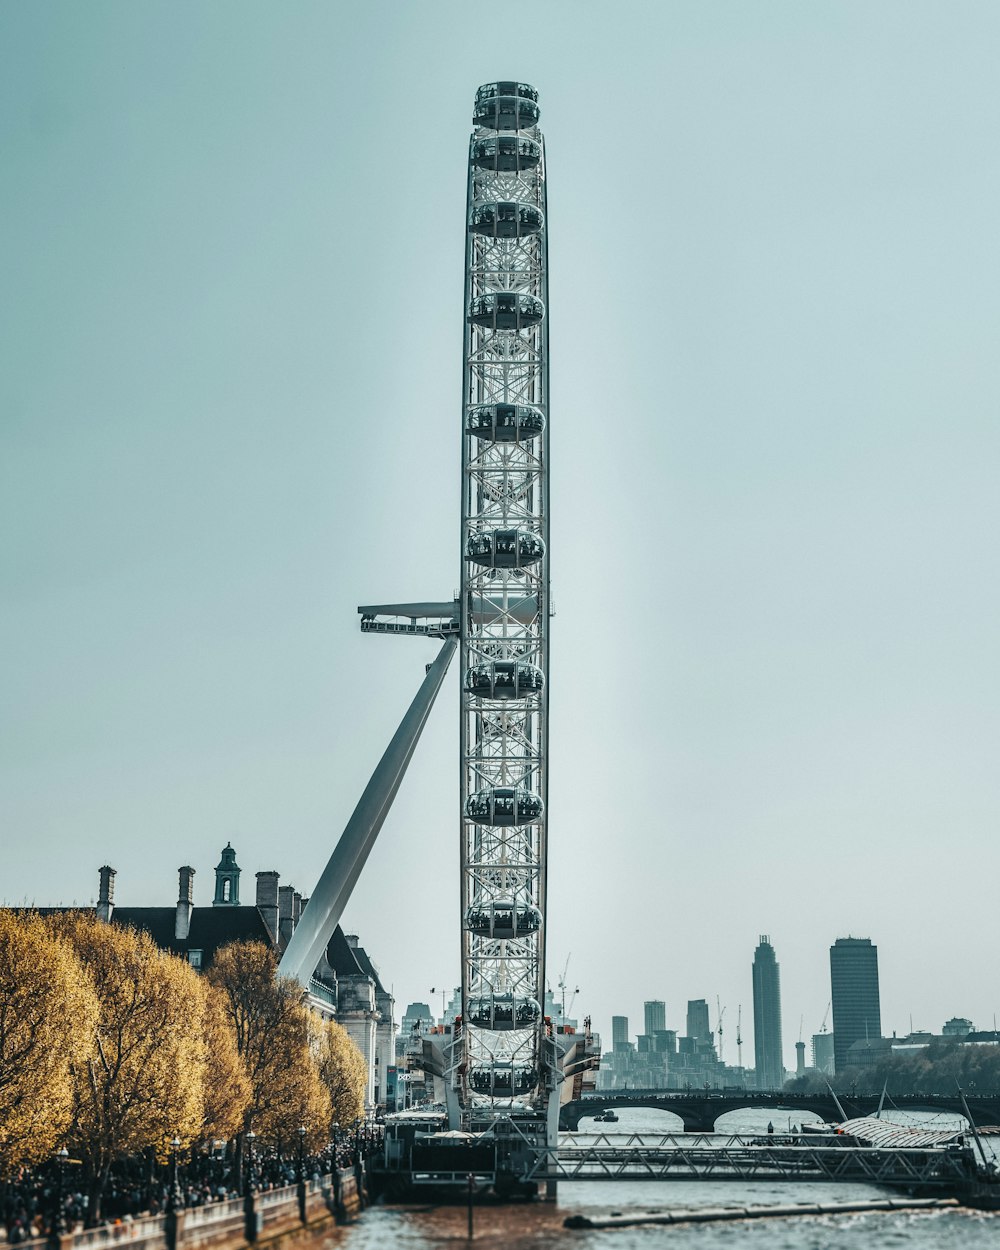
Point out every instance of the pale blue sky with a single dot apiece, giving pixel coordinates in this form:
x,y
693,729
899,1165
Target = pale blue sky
x,y
231,266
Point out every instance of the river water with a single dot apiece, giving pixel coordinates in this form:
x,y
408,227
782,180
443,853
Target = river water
x,y
540,1224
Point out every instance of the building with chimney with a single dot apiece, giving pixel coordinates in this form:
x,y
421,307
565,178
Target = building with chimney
x,y
345,986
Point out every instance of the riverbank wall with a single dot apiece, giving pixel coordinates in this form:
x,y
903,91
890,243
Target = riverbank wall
x,y
272,1217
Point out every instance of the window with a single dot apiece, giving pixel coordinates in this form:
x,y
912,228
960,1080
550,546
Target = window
x,y
194,958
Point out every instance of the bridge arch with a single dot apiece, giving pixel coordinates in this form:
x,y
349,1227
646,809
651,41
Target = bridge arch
x,y
700,1111
755,1119
634,1118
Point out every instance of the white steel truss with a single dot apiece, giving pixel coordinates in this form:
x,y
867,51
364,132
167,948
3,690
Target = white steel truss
x,y
501,1055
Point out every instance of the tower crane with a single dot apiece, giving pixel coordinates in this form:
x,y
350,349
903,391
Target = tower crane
x,y
719,1013
739,1037
561,984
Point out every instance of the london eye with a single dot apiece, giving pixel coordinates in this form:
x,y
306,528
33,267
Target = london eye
x,y
501,1059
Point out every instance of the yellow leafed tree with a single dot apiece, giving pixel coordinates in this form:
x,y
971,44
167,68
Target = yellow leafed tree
x,y
143,1082
272,1036
227,1087
47,1012
342,1069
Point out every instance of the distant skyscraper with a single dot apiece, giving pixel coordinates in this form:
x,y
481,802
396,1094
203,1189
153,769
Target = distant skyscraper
x,y
619,1032
656,1016
854,985
822,1048
697,1019
768,1061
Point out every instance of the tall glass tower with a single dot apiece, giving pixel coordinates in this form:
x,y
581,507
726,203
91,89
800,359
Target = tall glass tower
x,y
655,1012
697,1019
857,1016
619,1032
768,1062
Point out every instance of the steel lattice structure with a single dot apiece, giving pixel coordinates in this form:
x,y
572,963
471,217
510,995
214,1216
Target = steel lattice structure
x,y
501,1062
504,610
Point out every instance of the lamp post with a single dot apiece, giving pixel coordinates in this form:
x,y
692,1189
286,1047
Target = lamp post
x,y
300,1173
174,1196
58,1226
249,1209
174,1199
251,1137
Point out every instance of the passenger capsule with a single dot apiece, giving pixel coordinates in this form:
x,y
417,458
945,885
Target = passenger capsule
x,y
503,919
506,310
502,806
503,1080
504,549
506,106
504,679
502,1012
505,423
505,154
508,87
505,219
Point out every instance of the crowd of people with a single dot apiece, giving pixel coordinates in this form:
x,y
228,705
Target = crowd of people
x,y
51,1198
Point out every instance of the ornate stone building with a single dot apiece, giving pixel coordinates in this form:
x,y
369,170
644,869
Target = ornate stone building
x,y
345,987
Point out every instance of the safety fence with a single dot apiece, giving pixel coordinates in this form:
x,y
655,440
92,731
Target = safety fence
x,y
233,1222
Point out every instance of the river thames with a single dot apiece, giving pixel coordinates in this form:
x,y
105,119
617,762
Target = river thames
x,y
518,1227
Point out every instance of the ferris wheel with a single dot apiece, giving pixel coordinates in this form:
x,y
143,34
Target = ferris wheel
x,y
502,1059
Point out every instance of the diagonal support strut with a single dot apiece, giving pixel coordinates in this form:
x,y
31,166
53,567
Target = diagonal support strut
x,y
333,890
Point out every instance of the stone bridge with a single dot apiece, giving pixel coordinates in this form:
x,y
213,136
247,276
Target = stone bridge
x,y
701,1110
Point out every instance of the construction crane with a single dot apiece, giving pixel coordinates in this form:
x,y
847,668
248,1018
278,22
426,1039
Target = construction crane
x,y
561,983
822,1027
739,1037
719,1013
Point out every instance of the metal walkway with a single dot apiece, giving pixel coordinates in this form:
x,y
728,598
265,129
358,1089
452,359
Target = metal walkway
x,y
718,1156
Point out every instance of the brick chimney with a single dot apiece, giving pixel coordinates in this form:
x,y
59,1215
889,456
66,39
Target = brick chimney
x,y
106,894
267,900
185,903
286,914
296,906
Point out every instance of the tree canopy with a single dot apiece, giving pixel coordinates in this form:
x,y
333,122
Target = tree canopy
x,y
942,1067
143,1082
48,1010
342,1070
276,1039
113,1047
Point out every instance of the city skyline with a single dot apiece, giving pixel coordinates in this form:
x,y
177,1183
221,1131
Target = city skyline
x,y
229,394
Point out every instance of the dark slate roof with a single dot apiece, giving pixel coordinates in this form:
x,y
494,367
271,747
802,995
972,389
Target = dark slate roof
x,y
366,965
342,957
211,927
